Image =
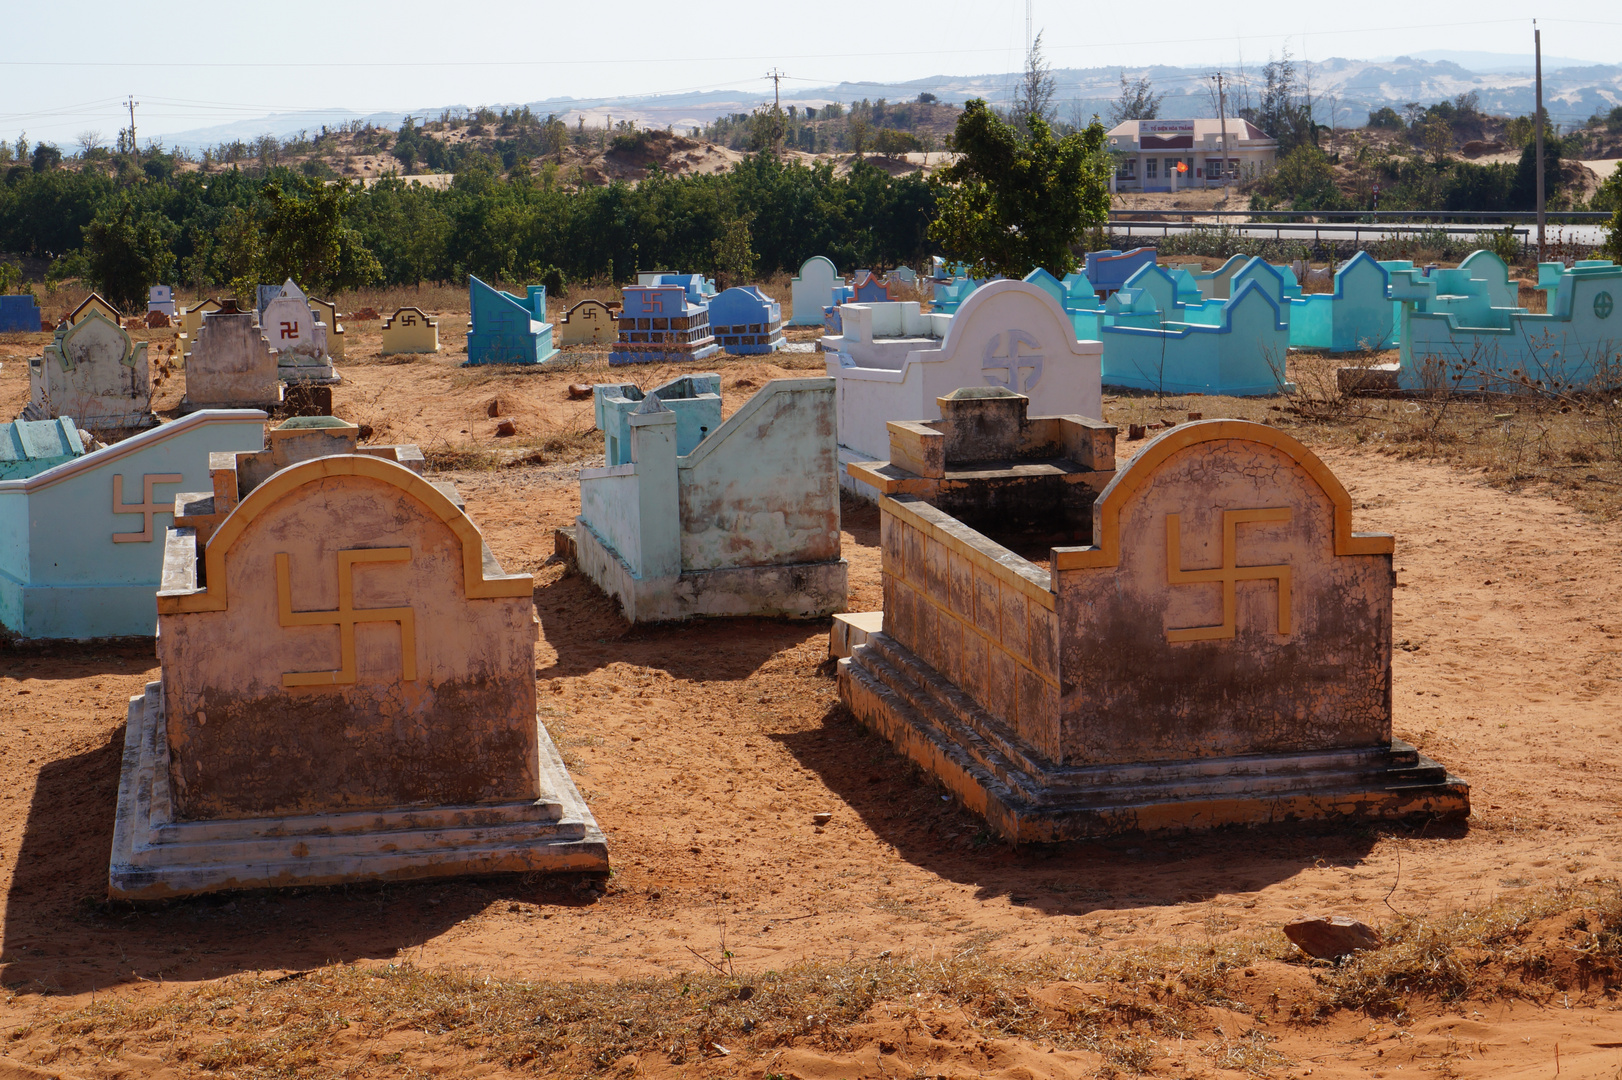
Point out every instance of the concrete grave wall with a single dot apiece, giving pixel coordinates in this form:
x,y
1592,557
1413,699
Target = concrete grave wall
x,y
504,329
81,544
410,330
19,315
1217,652
1570,346
28,447
590,322
1357,315
1109,270
327,312
746,524
812,290
161,298
1008,333
94,304
345,621
94,372
694,399
1236,357
441,679
745,321
1164,659
231,365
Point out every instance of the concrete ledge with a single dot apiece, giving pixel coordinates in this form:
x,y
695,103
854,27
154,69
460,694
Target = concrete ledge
x,y
1374,379
792,591
155,856
907,705
852,629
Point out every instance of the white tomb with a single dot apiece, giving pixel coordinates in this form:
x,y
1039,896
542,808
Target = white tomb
x,y
161,298
298,338
812,291
1007,333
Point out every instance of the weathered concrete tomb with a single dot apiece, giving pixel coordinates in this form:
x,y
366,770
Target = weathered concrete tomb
x,y
410,330
1210,645
28,447
94,372
20,315
663,324
744,523
347,689
81,543
231,364
589,322
298,338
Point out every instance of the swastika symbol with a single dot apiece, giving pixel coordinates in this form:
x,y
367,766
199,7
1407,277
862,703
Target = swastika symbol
x,y
1603,305
1012,361
345,616
1228,574
146,507
289,329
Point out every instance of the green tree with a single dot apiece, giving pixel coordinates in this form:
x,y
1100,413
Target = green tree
x,y
1009,205
734,253
127,252
1138,100
1306,178
307,239
1609,197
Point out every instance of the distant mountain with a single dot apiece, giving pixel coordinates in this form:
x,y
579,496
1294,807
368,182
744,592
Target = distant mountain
x,y
1345,92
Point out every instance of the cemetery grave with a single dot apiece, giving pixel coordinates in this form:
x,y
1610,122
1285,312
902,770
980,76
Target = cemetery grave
x,y
232,364
745,522
409,330
703,687
298,338
94,372
413,618
663,323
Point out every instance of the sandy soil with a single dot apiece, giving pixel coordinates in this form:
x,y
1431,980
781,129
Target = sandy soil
x,y
706,749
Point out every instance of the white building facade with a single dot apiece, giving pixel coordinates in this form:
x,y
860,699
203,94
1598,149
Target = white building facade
x,y
1170,155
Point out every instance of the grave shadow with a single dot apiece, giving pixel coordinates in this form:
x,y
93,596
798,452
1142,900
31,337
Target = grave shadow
x,y
904,807
586,628
61,935
588,632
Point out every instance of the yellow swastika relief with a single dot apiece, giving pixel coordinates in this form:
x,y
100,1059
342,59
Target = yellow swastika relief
x,y
345,616
1227,574
146,507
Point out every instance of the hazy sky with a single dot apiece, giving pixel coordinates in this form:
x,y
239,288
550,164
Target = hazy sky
x,y
70,64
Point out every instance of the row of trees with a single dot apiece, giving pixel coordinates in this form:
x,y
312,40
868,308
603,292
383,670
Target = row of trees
x,y
233,229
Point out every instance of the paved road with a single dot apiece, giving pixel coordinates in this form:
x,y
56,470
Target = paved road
x,y
1587,235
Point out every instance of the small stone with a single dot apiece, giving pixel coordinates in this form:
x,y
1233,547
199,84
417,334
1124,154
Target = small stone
x,y
493,409
505,427
579,391
745,993
1136,431
1196,416
1332,938
822,818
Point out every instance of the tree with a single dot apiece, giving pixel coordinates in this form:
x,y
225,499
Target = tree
x,y
1009,205
1306,178
734,253
1609,196
127,252
46,157
857,128
1138,100
891,143
307,240
1034,94
1438,137
1385,117
926,98
1283,111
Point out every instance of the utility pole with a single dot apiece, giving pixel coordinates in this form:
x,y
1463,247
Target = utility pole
x,y
1537,50
776,77
1222,113
132,103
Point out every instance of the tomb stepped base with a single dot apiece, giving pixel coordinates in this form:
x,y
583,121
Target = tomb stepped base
x,y
157,856
1026,799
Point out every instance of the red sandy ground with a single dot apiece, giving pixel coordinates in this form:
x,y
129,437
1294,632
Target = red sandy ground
x,y
705,750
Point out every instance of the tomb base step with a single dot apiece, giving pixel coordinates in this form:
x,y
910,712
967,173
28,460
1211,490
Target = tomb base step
x,y
1040,782
155,856
786,591
1064,803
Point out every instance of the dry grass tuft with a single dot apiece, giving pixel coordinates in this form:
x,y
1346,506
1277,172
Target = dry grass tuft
x,y
1121,1005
